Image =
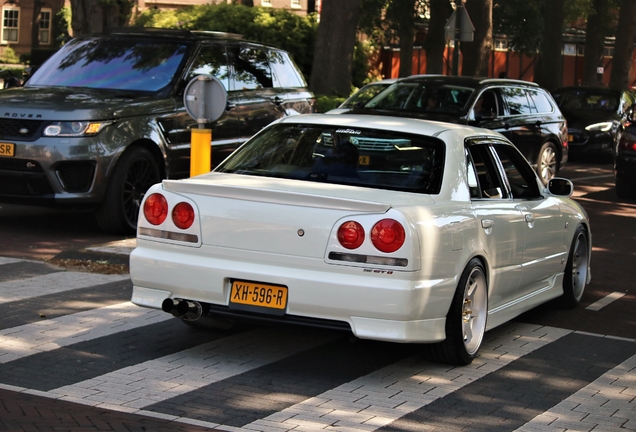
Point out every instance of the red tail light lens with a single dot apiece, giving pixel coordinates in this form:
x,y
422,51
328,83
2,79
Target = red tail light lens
x,y
388,235
183,215
156,209
351,235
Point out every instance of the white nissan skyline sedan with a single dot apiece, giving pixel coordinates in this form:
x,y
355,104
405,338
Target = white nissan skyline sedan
x,y
394,229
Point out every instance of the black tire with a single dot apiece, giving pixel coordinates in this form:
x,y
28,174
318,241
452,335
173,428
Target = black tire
x,y
547,162
135,172
576,269
466,318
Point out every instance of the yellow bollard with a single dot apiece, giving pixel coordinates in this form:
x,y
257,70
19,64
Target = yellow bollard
x,y
200,151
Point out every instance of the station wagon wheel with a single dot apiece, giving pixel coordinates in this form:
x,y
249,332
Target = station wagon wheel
x,y
576,269
466,319
547,162
135,172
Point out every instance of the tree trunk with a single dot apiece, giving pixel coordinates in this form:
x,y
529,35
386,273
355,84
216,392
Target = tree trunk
x,y
549,70
35,25
476,54
624,47
335,41
93,16
402,13
436,37
594,42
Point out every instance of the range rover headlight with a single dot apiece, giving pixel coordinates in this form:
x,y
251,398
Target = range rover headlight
x,y
600,127
74,129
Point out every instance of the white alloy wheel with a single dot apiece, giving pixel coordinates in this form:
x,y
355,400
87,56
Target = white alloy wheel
x,y
474,311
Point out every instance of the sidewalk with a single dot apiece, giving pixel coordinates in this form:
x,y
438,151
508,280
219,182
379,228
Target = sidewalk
x,y
112,257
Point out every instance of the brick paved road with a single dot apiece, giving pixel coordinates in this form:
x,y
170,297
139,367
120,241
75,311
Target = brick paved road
x,y
75,355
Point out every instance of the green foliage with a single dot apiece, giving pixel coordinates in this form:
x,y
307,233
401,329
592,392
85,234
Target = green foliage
x,y
277,27
326,103
61,26
9,56
522,21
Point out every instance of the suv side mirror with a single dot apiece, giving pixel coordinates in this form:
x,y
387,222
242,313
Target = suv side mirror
x,y
560,187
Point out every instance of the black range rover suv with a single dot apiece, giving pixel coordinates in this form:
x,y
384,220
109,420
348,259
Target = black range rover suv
x,y
103,119
522,111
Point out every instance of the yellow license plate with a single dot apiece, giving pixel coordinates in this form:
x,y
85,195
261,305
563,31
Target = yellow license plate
x,y
364,160
7,149
259,295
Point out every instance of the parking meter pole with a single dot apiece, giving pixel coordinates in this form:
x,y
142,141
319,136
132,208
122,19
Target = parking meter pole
x,y
205,100
200,151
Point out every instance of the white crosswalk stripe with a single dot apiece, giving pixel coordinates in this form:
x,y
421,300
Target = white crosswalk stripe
x,y
53,283
364,404
50,334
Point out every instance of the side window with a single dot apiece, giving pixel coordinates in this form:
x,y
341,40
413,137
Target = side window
x,y
488,181
517,100
521,178
285,72
473,184
487,105
541,101
211,60
251,69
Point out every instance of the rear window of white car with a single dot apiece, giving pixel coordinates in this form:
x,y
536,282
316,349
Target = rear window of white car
x,y
340,155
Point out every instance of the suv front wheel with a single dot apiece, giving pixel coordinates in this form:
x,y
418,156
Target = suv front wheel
x,y
547,162
135,172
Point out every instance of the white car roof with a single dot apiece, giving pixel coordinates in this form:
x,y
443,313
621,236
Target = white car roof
x,y
398,124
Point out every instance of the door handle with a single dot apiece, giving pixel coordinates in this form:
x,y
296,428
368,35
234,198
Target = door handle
x,y
529,218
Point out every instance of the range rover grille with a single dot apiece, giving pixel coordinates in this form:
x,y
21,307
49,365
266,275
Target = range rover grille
x,y
18,129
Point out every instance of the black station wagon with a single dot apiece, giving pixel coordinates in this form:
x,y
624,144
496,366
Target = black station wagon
x,y
522,111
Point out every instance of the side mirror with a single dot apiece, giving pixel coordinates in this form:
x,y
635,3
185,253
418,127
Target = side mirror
x,y
560,187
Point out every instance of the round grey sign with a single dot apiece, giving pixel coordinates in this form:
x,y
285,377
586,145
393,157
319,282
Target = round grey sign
x,y
205,98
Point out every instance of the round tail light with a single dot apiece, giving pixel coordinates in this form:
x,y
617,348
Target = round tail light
x,y
156,209
387,235
183,215
351,235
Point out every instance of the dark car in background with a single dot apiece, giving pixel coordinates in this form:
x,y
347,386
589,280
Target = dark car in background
x,y
596,117
625,161
520,110
361,96
103,119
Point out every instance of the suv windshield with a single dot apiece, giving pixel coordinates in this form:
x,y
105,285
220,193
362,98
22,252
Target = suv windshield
x,y
422,97
112,63
331,154
587,100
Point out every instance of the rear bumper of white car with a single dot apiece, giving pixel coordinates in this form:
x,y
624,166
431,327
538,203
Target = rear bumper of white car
x,y
389,306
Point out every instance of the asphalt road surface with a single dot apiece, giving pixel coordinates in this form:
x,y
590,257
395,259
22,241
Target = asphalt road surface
x,y
76,355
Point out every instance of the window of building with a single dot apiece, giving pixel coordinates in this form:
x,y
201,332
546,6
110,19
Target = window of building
x,y
266,3
569,49
45,26
501,45
10,24
295,4
608,52
580,50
